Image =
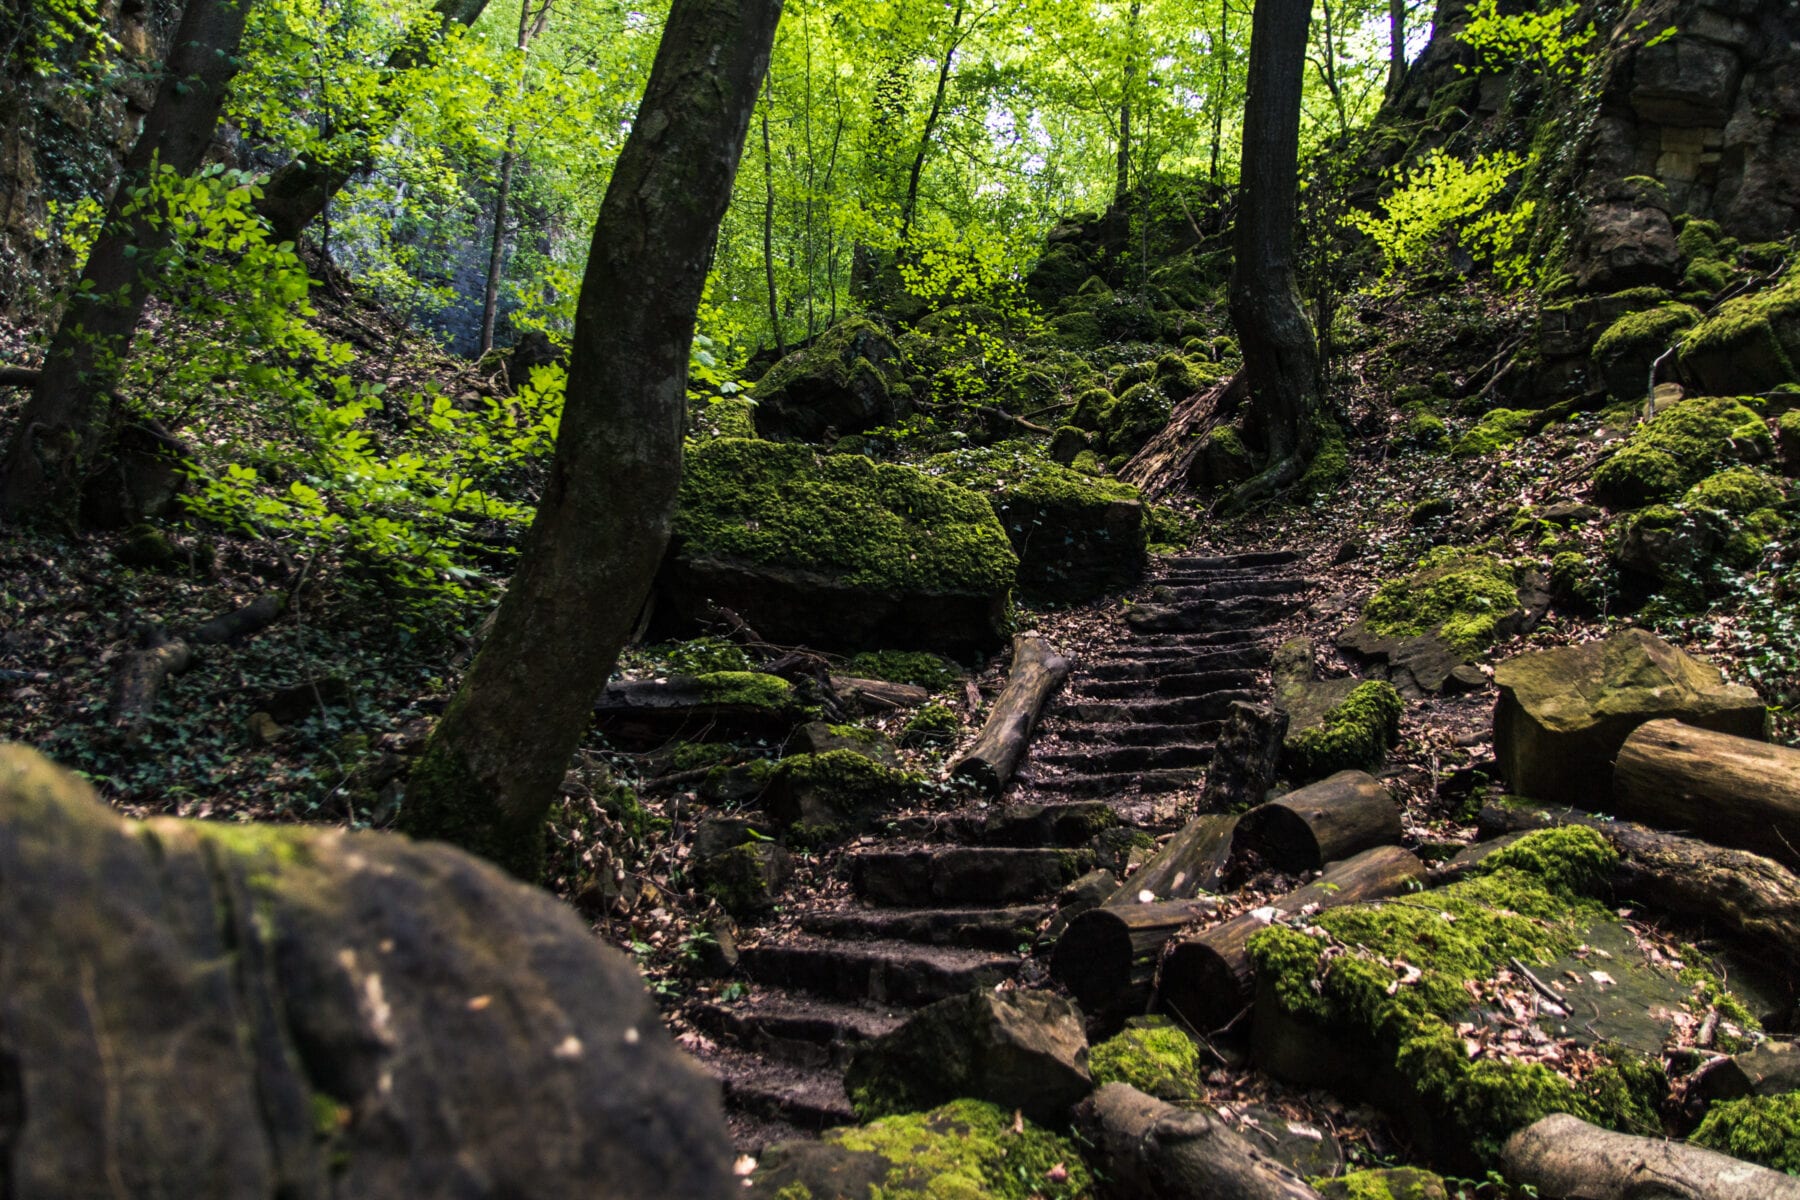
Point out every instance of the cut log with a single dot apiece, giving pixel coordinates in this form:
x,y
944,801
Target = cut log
x,y
1302,831
1564,1156
1245,758
878,695
1207,980
1107,957
1167,460
1753,899
139,681
1150,1150
1731,791
1191,862
1037,671
255,616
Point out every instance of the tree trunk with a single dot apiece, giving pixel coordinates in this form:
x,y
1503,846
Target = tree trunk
x,y
299,191
878,695
1396,47
63,427
1564,1156
768,222
1754,899
1037,671
1192,862
496,759
1207,980
1322,822
1150,1150
1172,458
1246,758
509,157
1729,790
1107,957
1280,353
910,204
1122,183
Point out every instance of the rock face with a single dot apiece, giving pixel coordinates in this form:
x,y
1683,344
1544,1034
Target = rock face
x,y
835,552
1564,714
1017,1049
845,382
250,1011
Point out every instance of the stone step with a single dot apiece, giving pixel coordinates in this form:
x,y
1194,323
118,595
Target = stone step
x,y
1162,645
1183,592
1011,825
1178,710
795,1028
931,875
1209,616
1120,758
1239,562
1062,737
880,972
1005,928
1177,660
805,1097
1187,683
1115,784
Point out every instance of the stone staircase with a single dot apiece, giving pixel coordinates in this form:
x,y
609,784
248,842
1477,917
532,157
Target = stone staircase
x,y
956,901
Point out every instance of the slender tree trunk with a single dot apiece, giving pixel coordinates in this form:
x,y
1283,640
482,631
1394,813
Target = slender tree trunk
x,y
490,294
1122,182
910,205
299,191
1396,46
812,319
63,427
493,764
1280,353
1218,103
1328,69
768,223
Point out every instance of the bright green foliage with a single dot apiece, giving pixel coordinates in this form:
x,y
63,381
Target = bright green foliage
x,y
1739,490
1679,447
1458,594
1545,40
968,1150
1355,733
883,526
1153,1056
1495,431
1761,1129
917,667
1443,201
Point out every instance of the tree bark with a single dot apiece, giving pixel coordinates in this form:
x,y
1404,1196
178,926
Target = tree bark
x,y
1731,791
1122,182
1169,459
1396,47
1151,1150
1192,862
495,761
910,205
1037,671
63,427
1107,957
768,221
1564,1156
1280,352
299,190
878,695
1322,822
1754,899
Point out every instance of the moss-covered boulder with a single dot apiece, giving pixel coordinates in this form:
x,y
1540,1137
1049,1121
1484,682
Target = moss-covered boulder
x,y
213,1009
1494,432
1153,1055
1564,713
1679,447
822,737
845,382
746,879
1624,353
1076,536
825,797
836,551
1761,1129
1023,1050
1751,344
964,1150
1355,733
1139,415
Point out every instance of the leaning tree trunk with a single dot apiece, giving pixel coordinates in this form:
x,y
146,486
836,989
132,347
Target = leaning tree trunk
x,y
1281,356
63,428
299,191
494,762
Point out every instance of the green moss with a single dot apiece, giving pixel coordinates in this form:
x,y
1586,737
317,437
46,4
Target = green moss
x,y
1330,462
748,688
1088,463
1453,936
447,801
1751,327
704,655
1679,447
1013,471
1571,860
877,525
1388,1183
1156,1058
1079,330
1739,490
968,1150
746,879
1427,430
853,781
1129,377
1457,594
1759,1129
726,418
934,723
917,667
1788,427
1140,413
1092,408
1706,275
1495,431
1170,526
1652,329
1354,733
1699,238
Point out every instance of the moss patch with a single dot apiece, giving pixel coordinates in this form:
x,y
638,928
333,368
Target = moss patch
x,y
1355,733
1390,1183
750,689
1459,595
934,724
1679,447
967,1150
1750,342
1653,328
1738,490
1495,431
917,667
1153,1057
1760,1129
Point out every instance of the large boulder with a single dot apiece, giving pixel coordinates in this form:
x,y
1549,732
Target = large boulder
x,y
1077,536
835,551
1564,713
214,1010
1018,1049
847,381
1624,243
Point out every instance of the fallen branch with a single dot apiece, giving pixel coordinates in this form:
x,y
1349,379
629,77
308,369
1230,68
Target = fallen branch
x,y
1562,1155
140,680
1151,1150
1037,671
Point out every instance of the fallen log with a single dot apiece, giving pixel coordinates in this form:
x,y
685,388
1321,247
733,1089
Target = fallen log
x,y
254,617
1191,862
1107,957
1167,460
1333,819
1037,671
878,695
1207,980
1150,1150
140,681
1564,1157
1754,899
1245,758
1729,790
19,377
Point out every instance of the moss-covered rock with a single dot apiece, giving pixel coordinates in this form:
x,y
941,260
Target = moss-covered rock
x,y
1631,344
730,417
932,725
1737,490
920,668
1461,596
836,551
747,879
1092,408
1386,1183
1076,536
1425,430
843,383
1751,344
1680,446
1139,415
1355,733
1495,431
1759,1129
1154,1056
840,791
821,737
